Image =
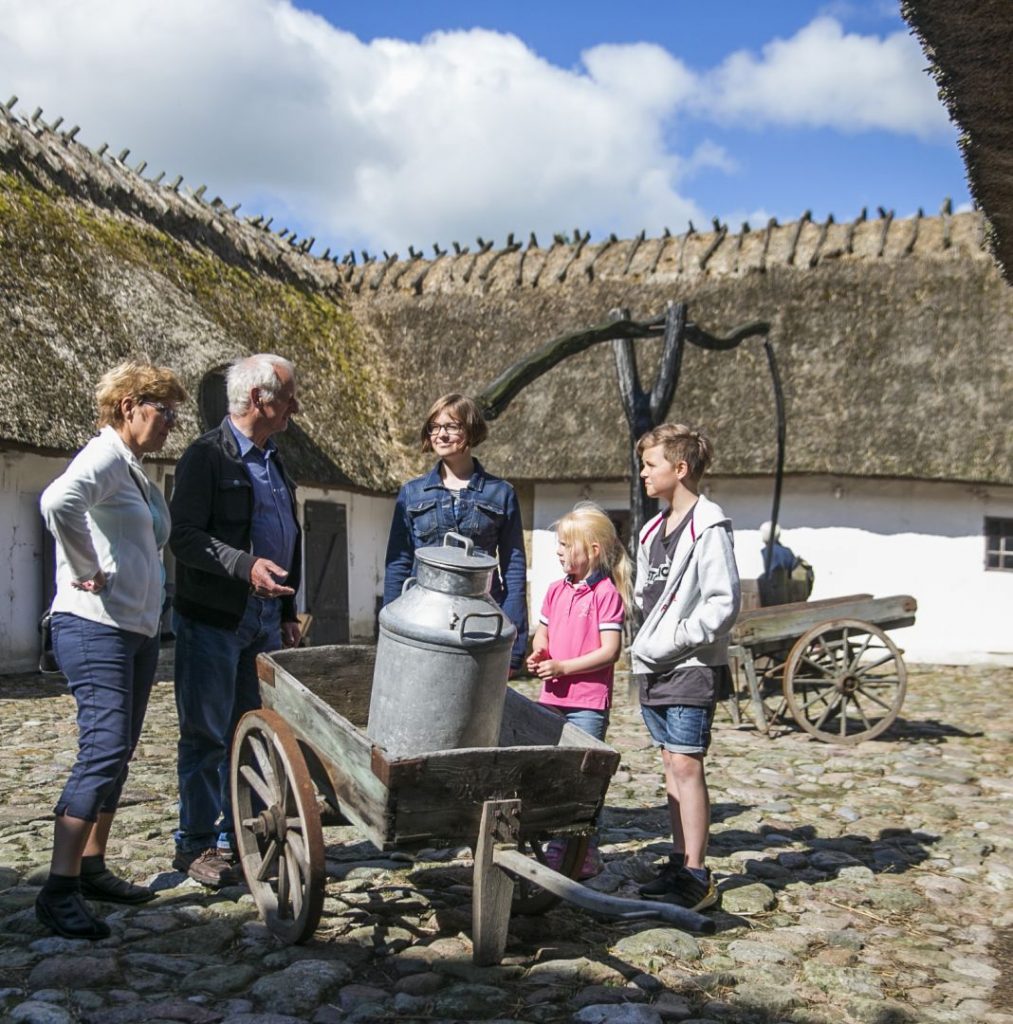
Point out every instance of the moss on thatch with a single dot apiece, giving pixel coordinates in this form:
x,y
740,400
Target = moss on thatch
x,y
86,287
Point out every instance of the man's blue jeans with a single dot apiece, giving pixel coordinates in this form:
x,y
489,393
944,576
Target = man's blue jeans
x,y
216,684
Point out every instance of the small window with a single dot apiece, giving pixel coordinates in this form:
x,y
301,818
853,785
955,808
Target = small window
x,y
998,543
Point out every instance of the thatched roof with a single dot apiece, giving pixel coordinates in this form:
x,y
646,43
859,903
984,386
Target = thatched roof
x,y
892,337
969,45
97,264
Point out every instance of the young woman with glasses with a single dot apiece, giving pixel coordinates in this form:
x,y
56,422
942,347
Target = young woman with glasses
x,y
459,496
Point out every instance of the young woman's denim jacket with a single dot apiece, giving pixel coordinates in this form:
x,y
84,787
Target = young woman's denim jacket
x,y
487,512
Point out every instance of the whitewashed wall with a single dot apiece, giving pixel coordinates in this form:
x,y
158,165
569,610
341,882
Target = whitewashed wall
x,y
879,537
24,476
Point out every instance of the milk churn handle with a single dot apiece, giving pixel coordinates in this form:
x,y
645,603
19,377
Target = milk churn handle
x,y
498,616
453,540
408,584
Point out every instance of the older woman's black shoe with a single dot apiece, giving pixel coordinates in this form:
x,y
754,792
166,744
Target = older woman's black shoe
x,y
104,885
67,914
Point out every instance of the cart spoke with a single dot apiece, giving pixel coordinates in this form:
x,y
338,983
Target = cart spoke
x,y
264,763
856,658
829,711
873,697
282,884
824,670
295,885
861,670
821,696
281,776
257,784
295,841
861,713
270,856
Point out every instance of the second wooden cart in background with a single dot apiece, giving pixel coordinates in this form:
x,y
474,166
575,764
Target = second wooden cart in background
x,y
827,665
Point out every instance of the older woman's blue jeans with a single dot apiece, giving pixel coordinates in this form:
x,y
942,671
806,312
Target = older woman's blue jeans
x,y
110,672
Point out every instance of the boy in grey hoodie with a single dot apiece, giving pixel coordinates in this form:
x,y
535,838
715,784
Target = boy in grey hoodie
x,y
688,590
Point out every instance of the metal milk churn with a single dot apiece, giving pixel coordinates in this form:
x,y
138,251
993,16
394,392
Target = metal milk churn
x,y
443,656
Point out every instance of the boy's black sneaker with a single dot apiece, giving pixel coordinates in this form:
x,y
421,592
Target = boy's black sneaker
x,y
660,886
681,887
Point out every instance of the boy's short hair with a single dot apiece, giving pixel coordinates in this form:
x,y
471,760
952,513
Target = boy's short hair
x,y
680,444
465,411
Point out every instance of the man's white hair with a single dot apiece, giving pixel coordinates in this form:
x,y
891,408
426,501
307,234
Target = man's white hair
x,y
253,372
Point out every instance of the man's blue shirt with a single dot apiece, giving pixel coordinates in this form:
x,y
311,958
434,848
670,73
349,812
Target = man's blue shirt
x,y
273,528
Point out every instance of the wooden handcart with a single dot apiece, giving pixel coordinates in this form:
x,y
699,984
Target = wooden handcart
x,y
304,761
828,665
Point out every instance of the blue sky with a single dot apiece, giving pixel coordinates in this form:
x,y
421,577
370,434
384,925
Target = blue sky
x,y
381,125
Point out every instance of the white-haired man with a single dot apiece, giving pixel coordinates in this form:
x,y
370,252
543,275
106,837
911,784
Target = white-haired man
x,y
236,540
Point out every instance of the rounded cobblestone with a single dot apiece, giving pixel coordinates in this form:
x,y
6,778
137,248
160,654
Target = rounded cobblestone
x,y
864,883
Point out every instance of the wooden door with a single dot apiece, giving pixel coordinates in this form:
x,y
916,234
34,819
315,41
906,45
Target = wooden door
x,y
326,572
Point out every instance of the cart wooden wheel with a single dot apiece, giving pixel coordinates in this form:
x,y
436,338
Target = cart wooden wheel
x,y
533,899
844,681
281,844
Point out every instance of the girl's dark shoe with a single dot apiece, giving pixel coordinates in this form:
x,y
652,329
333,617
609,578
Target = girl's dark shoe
x,y
104,885
67,914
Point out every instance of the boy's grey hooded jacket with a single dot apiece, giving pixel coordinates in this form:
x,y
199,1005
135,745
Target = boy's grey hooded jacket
x,y
694,616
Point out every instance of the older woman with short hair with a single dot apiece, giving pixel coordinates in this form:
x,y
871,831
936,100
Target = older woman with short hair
x,y
110,524
459,496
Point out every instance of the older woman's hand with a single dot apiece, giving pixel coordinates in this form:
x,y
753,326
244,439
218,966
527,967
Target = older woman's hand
x,y
94,585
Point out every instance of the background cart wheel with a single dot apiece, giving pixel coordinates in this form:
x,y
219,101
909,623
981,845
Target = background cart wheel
x,y
844,681
281,845
530,898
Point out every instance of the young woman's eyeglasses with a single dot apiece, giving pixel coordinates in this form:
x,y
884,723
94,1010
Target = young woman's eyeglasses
x,y
167,413
451,429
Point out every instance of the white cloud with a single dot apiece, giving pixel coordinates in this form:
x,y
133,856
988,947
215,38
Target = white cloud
x,y
824,77
382,143
464,133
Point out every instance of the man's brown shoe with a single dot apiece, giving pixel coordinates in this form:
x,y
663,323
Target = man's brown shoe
x,y
212,867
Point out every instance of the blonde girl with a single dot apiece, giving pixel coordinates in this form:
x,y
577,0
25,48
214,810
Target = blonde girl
x,y
580,631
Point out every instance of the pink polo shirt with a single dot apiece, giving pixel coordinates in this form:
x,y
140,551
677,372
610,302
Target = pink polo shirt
x,y
575,615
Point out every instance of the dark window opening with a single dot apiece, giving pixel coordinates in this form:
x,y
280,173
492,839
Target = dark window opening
x,y
212,398
998,543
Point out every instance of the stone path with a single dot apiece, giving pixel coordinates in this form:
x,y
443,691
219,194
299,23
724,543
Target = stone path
x,y
863,884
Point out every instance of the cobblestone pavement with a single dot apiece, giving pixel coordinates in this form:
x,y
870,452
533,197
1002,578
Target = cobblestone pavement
x,y
859,884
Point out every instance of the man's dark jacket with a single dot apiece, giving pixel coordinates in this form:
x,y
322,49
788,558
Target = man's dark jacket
x,y
212,514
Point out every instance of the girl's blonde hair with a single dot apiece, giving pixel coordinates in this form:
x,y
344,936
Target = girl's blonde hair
x,y
587,524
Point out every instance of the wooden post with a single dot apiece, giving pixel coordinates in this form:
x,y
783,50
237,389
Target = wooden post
x,y
493,888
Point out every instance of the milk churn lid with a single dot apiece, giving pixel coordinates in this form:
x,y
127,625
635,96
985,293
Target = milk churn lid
x,y
456,553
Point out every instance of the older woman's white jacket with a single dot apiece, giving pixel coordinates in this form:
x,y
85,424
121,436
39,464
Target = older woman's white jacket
x,y
106,515
691,622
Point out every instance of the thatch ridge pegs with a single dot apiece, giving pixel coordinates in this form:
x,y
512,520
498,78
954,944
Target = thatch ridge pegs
x,y
806,217
634,246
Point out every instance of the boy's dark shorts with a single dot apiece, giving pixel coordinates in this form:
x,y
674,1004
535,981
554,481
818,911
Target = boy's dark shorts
x,y
679,728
